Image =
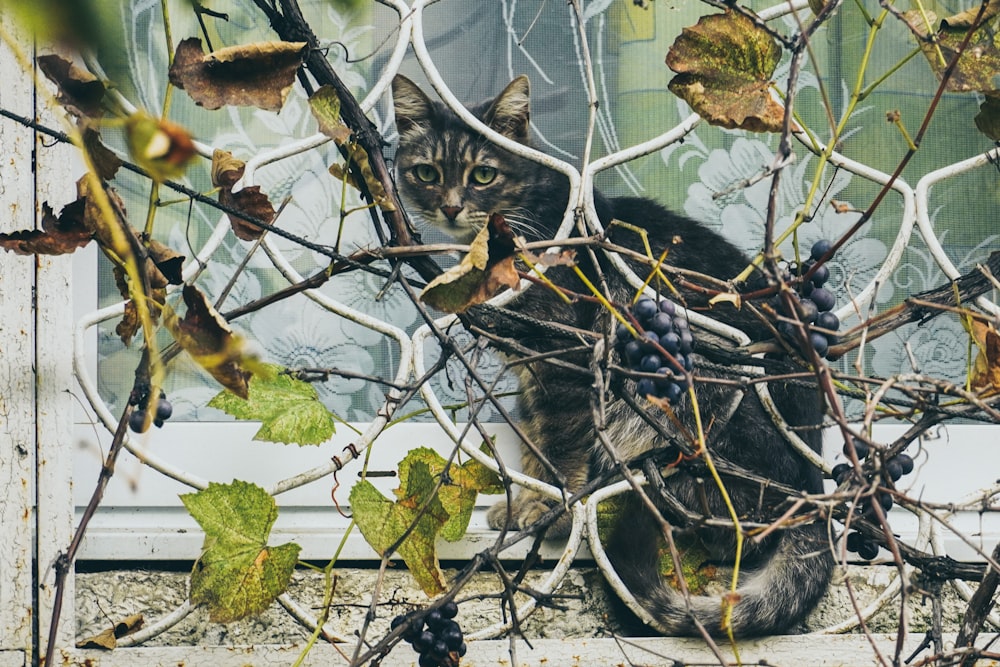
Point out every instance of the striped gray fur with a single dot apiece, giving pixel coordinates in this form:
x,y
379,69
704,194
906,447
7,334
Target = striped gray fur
x,y
784,575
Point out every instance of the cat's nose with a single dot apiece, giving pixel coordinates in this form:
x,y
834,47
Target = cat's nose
x,y
451,212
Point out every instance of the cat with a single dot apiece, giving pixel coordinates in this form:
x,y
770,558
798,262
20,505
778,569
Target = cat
x,y
453,178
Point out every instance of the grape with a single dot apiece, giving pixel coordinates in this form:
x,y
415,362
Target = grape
x,y
860,448
439,649
867,550
854,541
633,352
158,423
819,343
644,308
434,619
687,342
462,650
649,341
894,469
164,409
671,342
668,307
905,462
820,248
808,310
449,610
841,472
650,363
646,387
820,276
453,639
661,323
423,641
137,421
823,298
673,392
827,320
428,660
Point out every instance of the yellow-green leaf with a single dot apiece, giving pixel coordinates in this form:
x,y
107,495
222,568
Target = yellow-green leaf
x,y
383,523
458,492
238,574
290,409
978,65
724,66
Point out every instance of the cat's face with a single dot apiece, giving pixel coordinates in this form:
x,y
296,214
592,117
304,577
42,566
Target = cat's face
x,y
452,177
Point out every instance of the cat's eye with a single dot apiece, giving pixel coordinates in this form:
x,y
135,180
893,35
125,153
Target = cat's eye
x,y
483,175
426,173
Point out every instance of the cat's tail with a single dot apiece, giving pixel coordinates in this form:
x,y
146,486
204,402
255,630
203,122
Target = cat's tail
x,y
779,593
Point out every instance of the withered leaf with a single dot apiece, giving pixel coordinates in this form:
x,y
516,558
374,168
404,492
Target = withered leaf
x,y
488,267
724,66
985,374
159,146
57,236
965,20
105,162
226,171
325,107
977,67
80,92
259,75
210,341
108,639
565,257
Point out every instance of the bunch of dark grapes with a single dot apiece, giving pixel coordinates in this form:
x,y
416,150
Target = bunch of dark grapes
x,y
813,303
894,468
438,638
141,417
662,330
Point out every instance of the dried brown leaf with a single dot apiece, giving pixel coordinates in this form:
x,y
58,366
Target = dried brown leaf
x,y
226,171
57,236
985,374
485,270
259,75
80,92
105,162
210,341
108,639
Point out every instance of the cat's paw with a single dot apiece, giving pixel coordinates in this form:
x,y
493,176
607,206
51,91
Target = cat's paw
x,y
527,508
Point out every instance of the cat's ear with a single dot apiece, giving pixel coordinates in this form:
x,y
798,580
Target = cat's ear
x,y
511,110
413,107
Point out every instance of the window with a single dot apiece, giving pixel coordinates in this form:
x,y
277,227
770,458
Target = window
x,y
933,226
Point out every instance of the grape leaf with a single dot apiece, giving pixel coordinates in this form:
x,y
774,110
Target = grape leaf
x,y
458,493
483,271
259,75
383,523
57,236
290,409
226,171
976,70
210,341
724,66
237,574
106,163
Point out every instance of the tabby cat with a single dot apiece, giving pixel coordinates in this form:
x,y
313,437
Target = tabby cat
x,y
451,177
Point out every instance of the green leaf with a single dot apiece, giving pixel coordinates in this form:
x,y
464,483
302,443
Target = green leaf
x,y
458,493
384,522
724,66
238,574
290,409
